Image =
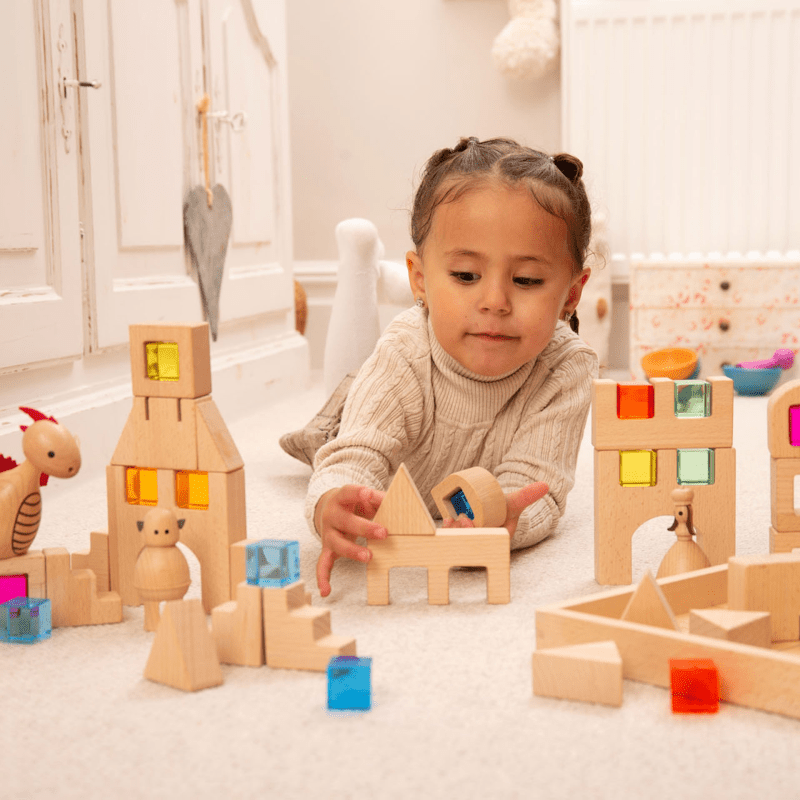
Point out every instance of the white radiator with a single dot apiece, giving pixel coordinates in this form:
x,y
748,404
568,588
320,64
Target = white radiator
x,y
687,117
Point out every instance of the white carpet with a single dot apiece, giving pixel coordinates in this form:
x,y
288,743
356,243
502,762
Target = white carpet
x,y
453,711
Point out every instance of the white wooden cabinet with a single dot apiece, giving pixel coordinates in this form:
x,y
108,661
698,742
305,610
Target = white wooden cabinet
x,y
91,212
726,310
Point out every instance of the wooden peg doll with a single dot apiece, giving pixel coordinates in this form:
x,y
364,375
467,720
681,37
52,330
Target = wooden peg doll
x,y
685,555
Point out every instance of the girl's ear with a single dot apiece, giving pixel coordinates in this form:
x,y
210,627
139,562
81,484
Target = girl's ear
x,y
416,277
575,292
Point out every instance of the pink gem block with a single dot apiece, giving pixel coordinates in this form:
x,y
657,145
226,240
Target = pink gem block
x,y
12,586
794,426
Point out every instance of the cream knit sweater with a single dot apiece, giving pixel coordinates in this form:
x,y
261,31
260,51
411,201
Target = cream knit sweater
x,y
412,402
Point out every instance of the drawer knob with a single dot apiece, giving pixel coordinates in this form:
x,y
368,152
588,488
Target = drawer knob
x,y
725,285
724,325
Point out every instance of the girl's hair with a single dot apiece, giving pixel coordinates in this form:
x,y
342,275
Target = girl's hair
x,y
554,182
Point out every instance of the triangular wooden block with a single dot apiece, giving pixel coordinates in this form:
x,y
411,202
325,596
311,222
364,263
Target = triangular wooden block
x,y
745,627
403,511
183,654
216,450
648,606
591,673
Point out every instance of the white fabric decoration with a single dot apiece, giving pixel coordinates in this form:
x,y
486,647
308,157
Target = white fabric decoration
x,y
527,47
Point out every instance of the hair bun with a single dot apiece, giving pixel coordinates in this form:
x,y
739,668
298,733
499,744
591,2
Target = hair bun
x,y
464,142
569,166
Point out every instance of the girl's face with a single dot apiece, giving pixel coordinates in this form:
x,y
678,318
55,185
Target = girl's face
x,y
496,276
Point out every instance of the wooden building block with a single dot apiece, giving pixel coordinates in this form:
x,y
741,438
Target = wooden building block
x,y
95,559
238,628
296,635
783,541
73,593
32,565
768,583
483,493
778,420
620,510
663,430
194,363
746,627
403,511
216,450
591,673
783,472
451,547
183,654
648,606
161,433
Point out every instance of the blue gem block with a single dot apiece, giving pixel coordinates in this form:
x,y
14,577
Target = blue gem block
x,y
25,619
273,562
692,399
461,504
349,683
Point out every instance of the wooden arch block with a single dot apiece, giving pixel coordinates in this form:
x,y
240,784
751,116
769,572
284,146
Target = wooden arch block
x,y
483,493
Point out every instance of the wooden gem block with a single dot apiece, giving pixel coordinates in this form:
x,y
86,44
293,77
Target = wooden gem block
x,y
783,421
403,511
32,565
194,360
648,606
783,474
482,491
637,468
183,654
695,686
746,627
692,399
591,673
634,401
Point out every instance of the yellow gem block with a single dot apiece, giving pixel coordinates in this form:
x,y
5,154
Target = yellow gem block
x,y
162,361
191,490
637,467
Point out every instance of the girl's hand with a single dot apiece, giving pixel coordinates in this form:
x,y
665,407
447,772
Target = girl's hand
x,y
516,503
342,515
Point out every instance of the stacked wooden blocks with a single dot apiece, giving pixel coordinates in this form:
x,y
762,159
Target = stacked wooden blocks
x,y
783,420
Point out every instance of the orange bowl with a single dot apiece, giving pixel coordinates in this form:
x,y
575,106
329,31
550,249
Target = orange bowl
x,y
671,362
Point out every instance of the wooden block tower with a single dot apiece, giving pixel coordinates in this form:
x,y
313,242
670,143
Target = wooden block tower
x,y
783,419
648,440
175,451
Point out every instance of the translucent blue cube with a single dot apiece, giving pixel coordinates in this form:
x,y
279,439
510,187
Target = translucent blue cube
x,y
273,562
461,504
349,683
25,619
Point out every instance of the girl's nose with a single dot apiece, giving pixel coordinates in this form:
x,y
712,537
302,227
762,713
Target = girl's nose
x,y
495,298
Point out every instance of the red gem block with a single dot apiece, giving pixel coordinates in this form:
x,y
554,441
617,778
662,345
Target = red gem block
x,y
695,686
635,401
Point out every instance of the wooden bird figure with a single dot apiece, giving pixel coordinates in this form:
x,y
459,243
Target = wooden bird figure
x,y
161,571
685,555
50,449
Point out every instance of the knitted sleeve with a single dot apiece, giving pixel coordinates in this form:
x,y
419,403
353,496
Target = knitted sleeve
x,y
545,448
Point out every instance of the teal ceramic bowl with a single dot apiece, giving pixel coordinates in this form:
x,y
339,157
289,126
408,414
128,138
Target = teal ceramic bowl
x,y
752,381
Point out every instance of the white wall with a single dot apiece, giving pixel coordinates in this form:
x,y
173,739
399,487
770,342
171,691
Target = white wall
x,y
375,86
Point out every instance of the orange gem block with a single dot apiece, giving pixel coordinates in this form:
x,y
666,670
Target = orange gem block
x,y
695,686
635,401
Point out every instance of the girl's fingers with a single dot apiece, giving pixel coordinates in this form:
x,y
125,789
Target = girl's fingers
x,y
324,567
518,501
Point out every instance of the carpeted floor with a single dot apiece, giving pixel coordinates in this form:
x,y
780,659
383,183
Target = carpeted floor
x,y
453,712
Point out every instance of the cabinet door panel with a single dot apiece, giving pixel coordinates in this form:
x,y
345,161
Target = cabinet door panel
x,y
40,243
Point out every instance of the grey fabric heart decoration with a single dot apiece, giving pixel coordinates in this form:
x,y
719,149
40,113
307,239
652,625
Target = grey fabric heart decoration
x,y
207,231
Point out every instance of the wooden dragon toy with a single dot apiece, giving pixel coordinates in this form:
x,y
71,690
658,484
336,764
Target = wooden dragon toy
x,y
50,449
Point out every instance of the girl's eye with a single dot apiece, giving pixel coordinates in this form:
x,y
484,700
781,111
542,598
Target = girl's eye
x,y
529,281
465,277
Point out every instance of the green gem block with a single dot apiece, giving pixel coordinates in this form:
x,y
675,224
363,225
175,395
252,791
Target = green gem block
x,y
696,467
692,399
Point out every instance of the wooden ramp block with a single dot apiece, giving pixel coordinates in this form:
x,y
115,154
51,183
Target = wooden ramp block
x,y
238,628
32,565
183,653
745,627
591,673
297,636
95,559
483,493
73,594
648,606
403,511
216,450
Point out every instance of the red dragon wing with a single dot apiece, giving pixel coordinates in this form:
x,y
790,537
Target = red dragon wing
x,y
7,463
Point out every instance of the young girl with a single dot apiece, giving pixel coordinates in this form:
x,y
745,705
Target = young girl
x,y
481,371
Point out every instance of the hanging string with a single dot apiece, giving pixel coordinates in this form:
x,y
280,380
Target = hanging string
x,y
203,107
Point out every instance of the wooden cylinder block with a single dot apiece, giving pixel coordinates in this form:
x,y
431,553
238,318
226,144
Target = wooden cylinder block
x,y
483,493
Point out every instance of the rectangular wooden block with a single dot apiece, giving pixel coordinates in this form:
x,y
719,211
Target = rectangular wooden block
x,y
768,583
783,541
96,559
664,430
32,565
782,474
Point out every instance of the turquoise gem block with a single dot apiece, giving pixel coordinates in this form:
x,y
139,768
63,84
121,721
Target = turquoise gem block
x,y
273,562
25,619
696,467
349,686
692,399
461,504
